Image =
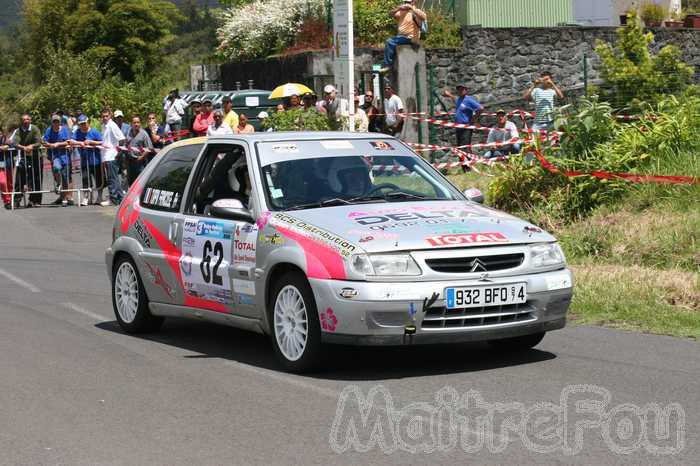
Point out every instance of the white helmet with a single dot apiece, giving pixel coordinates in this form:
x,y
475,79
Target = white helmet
x,y
349,175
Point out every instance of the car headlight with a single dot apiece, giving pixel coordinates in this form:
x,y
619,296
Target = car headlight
x,y
546,255
385,264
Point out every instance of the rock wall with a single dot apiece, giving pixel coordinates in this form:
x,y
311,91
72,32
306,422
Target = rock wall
x,y
498,65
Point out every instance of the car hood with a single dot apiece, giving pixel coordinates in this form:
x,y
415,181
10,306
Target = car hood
x,y
421,225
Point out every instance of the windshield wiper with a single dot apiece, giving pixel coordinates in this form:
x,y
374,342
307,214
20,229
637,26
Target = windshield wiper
x,y
325,203
403,195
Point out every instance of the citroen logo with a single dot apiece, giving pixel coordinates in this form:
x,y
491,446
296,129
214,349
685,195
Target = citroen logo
x,y
478,266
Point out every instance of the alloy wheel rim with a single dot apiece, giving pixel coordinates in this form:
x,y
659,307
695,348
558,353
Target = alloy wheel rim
x,y
126,292
291,323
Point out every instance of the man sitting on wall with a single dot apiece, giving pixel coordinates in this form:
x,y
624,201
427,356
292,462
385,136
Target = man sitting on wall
x,y
409,19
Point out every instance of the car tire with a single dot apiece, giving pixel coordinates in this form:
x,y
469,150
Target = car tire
x,y
524,342
292,312
129,299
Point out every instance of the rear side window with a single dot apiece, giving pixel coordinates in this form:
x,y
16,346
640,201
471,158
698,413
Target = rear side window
x,y
167,183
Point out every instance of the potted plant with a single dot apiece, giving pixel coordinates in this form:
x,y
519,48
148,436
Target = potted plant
x,y
652,14
675,21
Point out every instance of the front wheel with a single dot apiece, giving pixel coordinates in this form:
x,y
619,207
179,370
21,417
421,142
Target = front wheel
x,y
130,301
524,342
296,331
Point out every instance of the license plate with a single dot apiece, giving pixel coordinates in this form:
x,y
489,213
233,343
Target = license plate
x,y
486,295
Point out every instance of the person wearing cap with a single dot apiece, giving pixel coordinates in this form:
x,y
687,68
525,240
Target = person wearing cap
x,y
174,109
119,120
204,119
308,101
112,138
230,116
85,139
331,105
467,112
504,131
219,126
409,20
243,126
27,139
393,108
55,140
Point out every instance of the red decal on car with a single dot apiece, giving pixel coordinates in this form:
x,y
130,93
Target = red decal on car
x,y
329,321
130,208
172,256
466,238
322,261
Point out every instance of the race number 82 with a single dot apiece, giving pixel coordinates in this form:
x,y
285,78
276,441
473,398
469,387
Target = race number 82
x,y
209,274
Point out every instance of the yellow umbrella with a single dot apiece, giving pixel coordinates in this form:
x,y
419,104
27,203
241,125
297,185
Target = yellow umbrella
x,y
289,89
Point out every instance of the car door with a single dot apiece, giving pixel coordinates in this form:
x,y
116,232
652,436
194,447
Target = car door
x,y
218,261
159,223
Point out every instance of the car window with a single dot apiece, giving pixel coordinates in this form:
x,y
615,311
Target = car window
x,y
166,185
221,175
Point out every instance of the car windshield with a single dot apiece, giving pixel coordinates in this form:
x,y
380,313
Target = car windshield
x,y
304,183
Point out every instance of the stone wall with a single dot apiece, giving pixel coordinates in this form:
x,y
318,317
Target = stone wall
x,y
498,65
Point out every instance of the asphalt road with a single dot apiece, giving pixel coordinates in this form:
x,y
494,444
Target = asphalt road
x,y
75,390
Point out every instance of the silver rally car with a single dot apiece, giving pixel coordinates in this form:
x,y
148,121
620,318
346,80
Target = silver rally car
x,y
318,238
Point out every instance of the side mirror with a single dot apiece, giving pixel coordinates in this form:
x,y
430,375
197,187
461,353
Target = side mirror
x,y
474,195
231,209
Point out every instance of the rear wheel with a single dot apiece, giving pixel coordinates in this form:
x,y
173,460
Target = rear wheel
x,y
296,331
130,301
518,343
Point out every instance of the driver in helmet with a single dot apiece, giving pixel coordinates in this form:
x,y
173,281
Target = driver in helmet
x,y
349,177
229,179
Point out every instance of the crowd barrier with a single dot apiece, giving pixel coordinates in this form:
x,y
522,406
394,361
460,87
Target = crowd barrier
x,y
26,177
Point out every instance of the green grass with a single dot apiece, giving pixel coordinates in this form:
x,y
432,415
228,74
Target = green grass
x,y
637,264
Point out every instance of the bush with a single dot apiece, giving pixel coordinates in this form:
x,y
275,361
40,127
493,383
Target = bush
x,y
633,76
298,120
652,13
263,27
594,141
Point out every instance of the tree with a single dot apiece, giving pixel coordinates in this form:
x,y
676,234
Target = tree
x,y
127,36
633,76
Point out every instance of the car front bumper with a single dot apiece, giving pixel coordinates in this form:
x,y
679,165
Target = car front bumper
x,y
392,313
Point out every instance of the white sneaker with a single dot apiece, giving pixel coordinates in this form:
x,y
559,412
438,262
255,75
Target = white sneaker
x,y
105,203
84,201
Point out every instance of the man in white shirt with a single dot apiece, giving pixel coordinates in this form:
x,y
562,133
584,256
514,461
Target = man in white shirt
x,y
393,107
218,127
331,105
504,131
112,137
174,109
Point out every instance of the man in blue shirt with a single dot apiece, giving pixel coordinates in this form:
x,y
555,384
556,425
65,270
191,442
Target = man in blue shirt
x,y
87,139
467,112
56,140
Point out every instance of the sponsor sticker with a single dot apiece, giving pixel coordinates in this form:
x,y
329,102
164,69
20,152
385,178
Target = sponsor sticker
x,y
286,148
344,247
381,145
466,238
244,244
206,255
337,145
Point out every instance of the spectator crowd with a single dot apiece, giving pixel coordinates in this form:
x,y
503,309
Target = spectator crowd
x,y
112,156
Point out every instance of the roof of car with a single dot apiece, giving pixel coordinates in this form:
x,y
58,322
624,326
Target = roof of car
x,y
274,136
281,136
